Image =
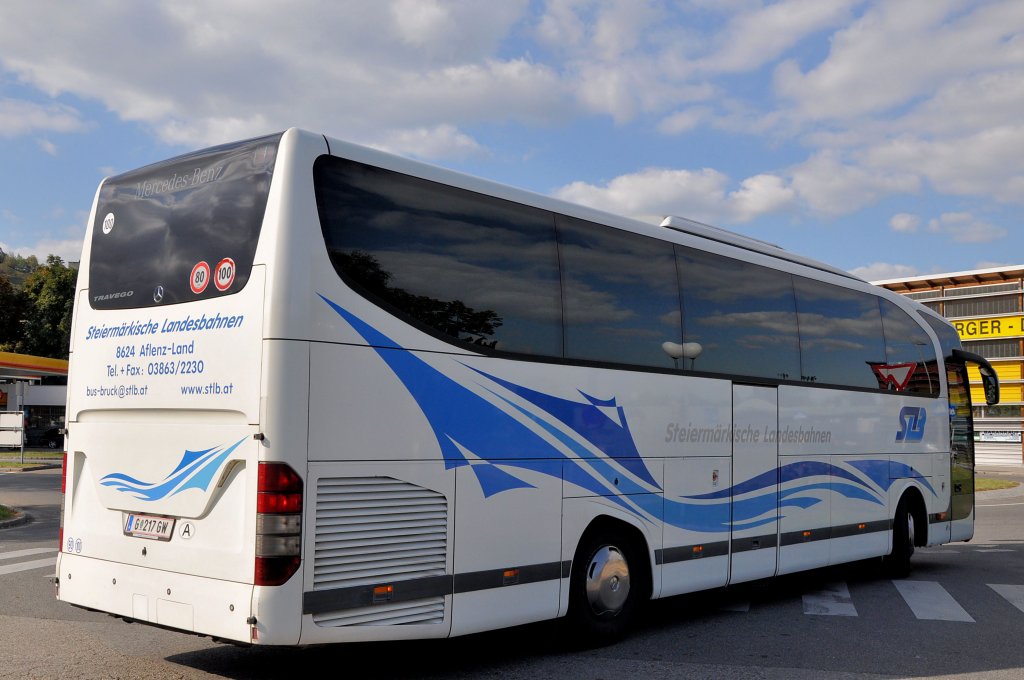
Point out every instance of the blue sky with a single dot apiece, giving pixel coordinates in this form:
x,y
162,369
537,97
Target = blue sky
x,y
884,137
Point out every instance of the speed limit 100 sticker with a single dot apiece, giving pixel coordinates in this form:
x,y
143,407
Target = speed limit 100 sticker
x,y
200,277
224,276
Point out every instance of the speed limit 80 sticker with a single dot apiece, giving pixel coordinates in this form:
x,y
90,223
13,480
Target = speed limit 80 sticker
x,y
199,278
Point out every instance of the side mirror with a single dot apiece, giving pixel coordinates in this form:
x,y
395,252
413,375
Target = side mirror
x,y
990,383
989,379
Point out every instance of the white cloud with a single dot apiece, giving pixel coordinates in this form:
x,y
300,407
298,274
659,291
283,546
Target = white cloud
x,y
831,187
684,121
921,89
963,105
198,74
443,141
882,271
19,117
989,162
993,264
753,38
47,146
761,195
965,228
899,51
607,30
702,195
653,193
905,222
421,22
69,250
886,97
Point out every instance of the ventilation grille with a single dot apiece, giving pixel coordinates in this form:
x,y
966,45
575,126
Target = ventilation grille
x,y
430,610
984,290
924,295
373,530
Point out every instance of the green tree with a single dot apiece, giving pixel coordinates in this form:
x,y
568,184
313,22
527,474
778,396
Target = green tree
x,y
49,294
12,307
17,268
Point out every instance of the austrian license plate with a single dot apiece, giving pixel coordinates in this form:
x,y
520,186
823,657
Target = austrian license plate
x,y
149,526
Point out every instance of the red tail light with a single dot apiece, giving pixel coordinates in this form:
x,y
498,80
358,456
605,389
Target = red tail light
x,y
278,524
277,503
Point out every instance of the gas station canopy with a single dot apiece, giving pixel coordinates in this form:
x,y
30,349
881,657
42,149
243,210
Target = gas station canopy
x,y
28,367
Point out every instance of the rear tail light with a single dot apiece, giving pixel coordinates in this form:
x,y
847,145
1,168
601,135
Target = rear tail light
x,y
278,524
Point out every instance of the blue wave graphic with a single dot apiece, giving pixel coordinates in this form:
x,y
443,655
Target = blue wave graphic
x,y
885,472
590,422
465,423
195,471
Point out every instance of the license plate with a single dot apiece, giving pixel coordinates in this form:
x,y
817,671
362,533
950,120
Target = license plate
x,y
149,526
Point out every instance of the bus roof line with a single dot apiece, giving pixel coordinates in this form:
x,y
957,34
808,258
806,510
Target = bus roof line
x,y
694,228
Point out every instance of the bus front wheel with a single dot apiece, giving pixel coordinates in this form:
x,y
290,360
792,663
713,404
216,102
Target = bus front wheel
x,y
605,587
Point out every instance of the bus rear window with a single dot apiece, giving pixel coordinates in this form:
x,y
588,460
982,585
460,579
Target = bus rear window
x,y
181,230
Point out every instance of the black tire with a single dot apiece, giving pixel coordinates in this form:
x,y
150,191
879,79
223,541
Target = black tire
x,y
904,531
606,588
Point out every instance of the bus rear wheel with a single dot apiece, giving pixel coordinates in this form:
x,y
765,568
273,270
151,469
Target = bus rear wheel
x,y
904,536
605,588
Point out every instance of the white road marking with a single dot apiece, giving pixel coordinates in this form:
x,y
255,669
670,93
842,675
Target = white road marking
x,y
1013,594
15,554
929,600
25,566
833,600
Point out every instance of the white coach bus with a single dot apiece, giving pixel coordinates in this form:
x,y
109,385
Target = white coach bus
x,y
320,394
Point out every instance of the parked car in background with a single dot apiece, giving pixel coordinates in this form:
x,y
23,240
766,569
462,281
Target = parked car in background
x,y
48,437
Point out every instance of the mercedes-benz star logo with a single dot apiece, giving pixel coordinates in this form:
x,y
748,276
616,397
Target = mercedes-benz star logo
x,y
158,294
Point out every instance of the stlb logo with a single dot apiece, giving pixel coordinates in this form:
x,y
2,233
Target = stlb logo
x,y
911,424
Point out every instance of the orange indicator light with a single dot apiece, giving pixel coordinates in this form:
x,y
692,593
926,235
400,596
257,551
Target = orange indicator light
x,y
510,577
383,593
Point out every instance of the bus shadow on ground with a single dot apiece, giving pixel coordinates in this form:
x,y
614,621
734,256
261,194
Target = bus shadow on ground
x,y
478,655
698,628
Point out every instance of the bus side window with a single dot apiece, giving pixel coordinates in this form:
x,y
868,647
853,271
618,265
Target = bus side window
x,y
740,316
907,343
620,292
840,334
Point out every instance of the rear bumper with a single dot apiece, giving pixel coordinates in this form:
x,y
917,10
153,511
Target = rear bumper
x,y
184,602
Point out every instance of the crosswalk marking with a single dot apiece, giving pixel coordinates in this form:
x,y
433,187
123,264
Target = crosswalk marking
x,y
1013,594
833,600
15,554
929,600
25,566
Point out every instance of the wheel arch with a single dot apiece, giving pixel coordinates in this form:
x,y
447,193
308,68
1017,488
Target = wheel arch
x,y
608,524
914,498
